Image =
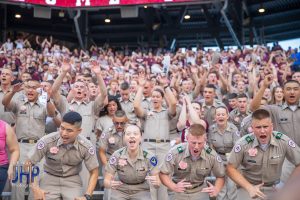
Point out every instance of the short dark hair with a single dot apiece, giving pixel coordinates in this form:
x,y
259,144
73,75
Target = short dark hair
x,y
120,113
290,81
73,118
210,86
160,91
243,95
232,96
224,107
124,86
260,114
197,130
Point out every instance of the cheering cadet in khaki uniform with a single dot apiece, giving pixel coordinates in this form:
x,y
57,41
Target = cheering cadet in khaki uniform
x,y
64,152
209,103
112,140
127,103
87,109
156,135
285,118
222,136
238,114
189,164
30,121
134,166
261,155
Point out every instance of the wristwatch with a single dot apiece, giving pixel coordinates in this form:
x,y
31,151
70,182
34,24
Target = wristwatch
x,y
88,197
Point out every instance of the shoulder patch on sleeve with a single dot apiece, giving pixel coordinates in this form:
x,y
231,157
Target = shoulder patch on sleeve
x,y
169,157
91,150
103,134
113,160
237,148
180,149
153,161
219,159
292,143
237,133
40,145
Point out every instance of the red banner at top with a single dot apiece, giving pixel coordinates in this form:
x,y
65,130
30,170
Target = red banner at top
x,y
95,3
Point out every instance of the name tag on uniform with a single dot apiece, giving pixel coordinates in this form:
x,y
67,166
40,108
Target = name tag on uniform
x,y
142,169
50,158
251,161
275,157
283,119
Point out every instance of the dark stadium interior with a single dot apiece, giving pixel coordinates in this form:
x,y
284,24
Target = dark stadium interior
x,y
164,25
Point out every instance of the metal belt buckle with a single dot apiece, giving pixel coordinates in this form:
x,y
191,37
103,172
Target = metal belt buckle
x,y
31,141
158,140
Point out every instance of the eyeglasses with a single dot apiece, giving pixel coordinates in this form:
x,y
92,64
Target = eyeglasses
x,y
119,123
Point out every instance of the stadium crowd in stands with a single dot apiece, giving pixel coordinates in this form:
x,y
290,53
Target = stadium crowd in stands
x,y
164,93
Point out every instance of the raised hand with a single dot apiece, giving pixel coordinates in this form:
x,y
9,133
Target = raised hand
x,y
17,87
268,80
95,67
65,65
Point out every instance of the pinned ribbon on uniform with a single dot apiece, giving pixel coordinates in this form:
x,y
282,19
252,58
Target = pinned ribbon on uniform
x,y
183,165
54,150
122,162
252,152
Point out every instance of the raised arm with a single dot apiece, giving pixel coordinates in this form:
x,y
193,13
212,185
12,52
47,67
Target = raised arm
x,y
66,67
182,117
6,101
255,103
139,111
103,91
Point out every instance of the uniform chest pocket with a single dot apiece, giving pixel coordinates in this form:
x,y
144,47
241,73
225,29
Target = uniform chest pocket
x,y
276,160
203,171
38,115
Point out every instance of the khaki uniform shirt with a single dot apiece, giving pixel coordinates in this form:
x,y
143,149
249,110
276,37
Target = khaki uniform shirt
x,y
210,111
132,173
285,120
128,108
104,123
179,165
111,141
223,142
246,126
64,160
30,119
236,117
157,124
87,110
5,115
174,133
264,166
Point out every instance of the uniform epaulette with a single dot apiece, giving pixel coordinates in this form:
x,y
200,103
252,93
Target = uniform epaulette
x,y
277,135
145,153
180,149
51,137
249,139
208,149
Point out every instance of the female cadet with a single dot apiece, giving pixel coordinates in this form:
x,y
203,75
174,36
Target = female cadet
x,y
222,136
135,169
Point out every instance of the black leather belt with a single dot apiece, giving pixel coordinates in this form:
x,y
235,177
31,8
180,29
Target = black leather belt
x,y
134,183
223,154
156,140
270,184
27,141
195,186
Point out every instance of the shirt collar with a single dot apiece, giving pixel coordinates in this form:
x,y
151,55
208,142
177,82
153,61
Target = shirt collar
x,y
77,102
75,144
272,141
125,155
285,105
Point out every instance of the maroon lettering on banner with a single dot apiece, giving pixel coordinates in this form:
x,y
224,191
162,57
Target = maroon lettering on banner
x,y
93,3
